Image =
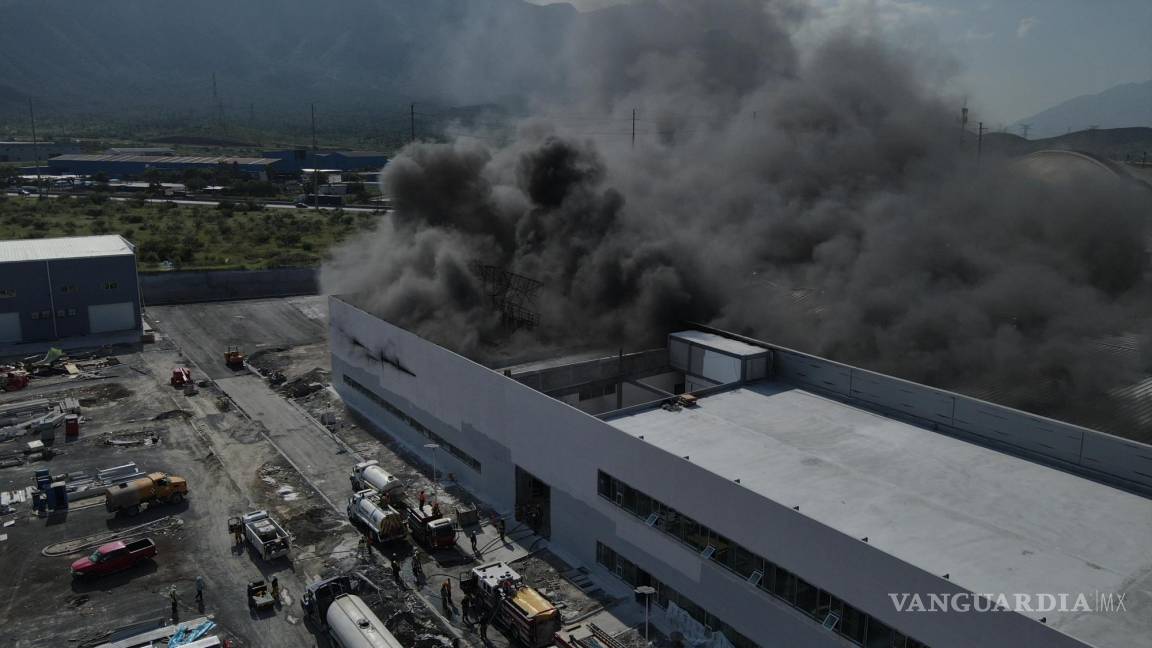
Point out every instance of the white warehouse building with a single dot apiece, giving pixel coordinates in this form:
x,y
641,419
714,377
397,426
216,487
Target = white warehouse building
x,y
797,501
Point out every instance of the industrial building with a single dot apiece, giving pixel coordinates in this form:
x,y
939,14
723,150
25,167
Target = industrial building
x,y
296,160
778,498
30,152
135,166
69,292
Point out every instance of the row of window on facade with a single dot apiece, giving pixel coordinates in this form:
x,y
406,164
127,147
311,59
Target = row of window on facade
x,y
768,577
633,575
6,293
464,457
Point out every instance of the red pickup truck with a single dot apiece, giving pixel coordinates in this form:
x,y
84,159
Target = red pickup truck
x,y
114,557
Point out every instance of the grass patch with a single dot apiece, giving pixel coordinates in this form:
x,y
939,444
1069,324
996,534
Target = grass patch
x,y
190,237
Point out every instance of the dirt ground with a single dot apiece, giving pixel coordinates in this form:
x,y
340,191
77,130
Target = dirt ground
x,y
230,470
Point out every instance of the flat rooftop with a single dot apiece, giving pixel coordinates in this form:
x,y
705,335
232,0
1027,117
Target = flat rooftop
x,y
68,247
995,522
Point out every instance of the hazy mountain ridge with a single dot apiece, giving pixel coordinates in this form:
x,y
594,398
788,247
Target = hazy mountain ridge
x,y
1125,105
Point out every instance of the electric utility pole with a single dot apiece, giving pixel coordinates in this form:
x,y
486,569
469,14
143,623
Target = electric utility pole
x,y
315,170
633,128
35,148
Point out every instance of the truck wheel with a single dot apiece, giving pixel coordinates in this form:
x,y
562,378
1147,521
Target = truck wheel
x,y
176,498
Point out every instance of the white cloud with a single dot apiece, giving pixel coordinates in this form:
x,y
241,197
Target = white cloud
x,y
1025,26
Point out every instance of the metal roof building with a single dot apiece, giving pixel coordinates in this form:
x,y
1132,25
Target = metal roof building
x,y
72,292
138,165
792,500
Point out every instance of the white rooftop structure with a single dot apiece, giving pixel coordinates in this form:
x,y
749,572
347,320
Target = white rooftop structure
x,y
69,247
992,521
720,343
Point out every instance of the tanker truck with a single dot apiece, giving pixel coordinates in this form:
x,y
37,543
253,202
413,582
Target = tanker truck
x,y
383,522
128,497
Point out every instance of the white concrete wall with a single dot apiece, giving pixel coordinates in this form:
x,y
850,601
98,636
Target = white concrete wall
x,y
502,423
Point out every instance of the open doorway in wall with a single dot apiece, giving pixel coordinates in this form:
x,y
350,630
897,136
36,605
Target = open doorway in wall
x,y
533,503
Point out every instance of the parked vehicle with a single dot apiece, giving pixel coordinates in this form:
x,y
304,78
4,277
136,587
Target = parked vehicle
x,y
128,497
369,474
383,522
319,596
266,536
524,613
430,527
180,376
352,624
234,357
114,557
259,598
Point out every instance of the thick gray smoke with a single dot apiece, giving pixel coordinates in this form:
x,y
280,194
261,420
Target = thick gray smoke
x,y
817,198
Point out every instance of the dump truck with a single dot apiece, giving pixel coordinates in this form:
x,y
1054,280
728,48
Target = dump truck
x,y
369,474
383,522
234,357
128,497
113,557
266,536
430,527
521,611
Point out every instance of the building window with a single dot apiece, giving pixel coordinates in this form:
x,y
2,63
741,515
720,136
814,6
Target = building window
x,y
71,312
6,293
45,314
35,315
69,288
110,285
771,578
60,312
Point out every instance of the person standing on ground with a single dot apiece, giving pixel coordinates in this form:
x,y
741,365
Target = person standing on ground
x,y
483,628
446,596
500,527
396,572
175,611
421,498
200,592
472,537
276,590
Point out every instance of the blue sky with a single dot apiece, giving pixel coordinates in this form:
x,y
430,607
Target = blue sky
x,y
1016,57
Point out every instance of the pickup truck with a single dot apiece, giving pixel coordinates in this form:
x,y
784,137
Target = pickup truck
x,y
114,557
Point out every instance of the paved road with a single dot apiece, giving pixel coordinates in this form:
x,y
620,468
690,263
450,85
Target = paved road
x,y
313,451
205,202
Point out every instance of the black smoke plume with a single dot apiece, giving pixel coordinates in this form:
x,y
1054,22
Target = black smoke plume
x,y
820,197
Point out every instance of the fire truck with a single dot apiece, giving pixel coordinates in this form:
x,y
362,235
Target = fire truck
x,y
525,614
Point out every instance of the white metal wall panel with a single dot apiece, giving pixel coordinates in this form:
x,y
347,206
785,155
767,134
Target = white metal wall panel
x,y
1118,457
757,368
678,354
901,396
807,371
103,318
10,327
721,368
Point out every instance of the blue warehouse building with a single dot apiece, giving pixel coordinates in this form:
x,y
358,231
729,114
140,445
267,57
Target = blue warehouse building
x,y
68,292
122,166
293,160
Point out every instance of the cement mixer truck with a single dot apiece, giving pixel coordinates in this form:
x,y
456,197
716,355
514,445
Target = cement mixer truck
x,y
383,522
369,474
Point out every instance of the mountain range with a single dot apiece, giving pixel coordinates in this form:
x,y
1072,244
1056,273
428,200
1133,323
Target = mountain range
x,y
1122,106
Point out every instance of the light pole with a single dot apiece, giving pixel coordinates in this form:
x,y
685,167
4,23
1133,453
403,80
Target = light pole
x,y
435,482
646,591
